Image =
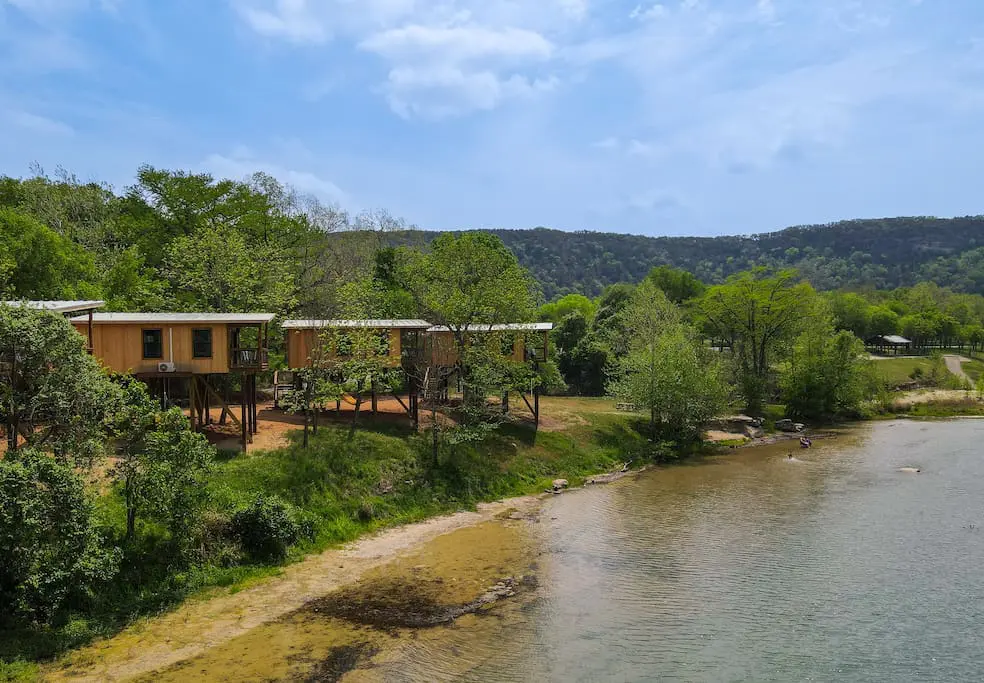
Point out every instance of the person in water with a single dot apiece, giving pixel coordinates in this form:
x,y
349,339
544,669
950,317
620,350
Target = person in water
x,y
789,456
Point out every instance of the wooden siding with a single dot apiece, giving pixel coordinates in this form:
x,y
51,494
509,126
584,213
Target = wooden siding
x,y
444,352
119,347
301,343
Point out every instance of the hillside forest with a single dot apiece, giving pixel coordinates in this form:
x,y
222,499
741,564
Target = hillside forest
x,y
111,507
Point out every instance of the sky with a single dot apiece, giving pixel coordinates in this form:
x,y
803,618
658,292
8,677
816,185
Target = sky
x,y
679,117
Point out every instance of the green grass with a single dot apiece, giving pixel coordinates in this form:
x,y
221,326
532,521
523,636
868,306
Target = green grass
x,y
383,476
896,371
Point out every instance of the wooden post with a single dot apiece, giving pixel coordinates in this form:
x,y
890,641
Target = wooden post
x,y
375,405
256,411
505,402
536,405
193,404
244,422
90,331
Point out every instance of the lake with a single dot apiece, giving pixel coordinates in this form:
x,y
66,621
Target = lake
x,y
831,567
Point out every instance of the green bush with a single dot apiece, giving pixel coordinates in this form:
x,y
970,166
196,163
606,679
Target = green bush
x,y
52,553
268,528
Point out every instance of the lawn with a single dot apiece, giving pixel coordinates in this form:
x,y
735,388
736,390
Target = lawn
x,y
897,371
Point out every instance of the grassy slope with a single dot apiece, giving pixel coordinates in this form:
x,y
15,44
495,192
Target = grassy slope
x,y
384,476
896,371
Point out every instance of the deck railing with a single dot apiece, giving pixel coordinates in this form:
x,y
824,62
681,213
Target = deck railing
x,y
248,359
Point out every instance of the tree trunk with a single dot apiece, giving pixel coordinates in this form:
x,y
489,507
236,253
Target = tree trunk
x,y
307,422
355,416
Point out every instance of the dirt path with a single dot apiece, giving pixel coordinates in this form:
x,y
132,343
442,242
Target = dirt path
x,y
200,625
954,363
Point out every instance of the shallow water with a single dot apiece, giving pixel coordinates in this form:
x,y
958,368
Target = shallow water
x,y
832,567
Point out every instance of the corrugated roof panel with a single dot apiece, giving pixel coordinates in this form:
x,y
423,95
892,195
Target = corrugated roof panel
x,y
230,318
58,306
340,324
501,327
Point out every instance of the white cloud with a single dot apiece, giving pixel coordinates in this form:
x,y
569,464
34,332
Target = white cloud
x,y
240,164
293,20
457,43
38,124
440,92
440,58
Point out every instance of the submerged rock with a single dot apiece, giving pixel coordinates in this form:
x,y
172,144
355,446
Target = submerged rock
x,y
910,470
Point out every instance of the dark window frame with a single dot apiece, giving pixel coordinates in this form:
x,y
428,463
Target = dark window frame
x,y
194,343
160,342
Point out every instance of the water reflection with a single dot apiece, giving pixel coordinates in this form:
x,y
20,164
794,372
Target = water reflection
x,y
751,568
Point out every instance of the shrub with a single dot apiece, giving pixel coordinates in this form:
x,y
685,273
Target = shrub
x,y
268,528
51,550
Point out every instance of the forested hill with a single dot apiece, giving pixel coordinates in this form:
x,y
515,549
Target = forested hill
x,y
883,253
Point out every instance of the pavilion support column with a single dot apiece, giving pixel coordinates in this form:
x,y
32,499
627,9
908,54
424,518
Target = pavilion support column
x,y
374,398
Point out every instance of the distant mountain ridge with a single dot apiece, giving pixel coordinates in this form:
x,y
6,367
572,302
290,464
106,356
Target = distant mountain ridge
x,y
882,253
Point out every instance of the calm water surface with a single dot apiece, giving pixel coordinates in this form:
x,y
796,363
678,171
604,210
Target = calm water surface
x,y
832,567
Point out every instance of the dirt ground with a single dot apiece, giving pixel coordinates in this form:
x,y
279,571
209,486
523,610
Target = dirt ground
x,y
275,425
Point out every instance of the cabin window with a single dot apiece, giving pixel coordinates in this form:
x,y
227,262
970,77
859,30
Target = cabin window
x,y
153,344
201,343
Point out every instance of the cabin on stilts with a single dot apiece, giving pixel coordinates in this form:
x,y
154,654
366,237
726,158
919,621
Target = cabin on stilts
x,y
322,343
521,342
196,353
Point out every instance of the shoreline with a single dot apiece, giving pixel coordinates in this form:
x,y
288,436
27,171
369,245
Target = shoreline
x,y
148,645
229,615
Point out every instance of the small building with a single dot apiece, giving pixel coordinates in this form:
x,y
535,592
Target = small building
x,y
154,344
306,339
889,343
177,352
522,342
66,308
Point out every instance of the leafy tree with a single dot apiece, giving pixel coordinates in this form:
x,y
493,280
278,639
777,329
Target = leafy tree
x,y
678,285
585,367
217,270
758,315
53,393
38,263
829,375
667,370
884,321
851,312
467,281
568,305
161,465
52,552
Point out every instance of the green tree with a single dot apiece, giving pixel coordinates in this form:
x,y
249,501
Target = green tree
x,y
38,263
52,552
557,311
53,394
161,466
668,371
884,321
829,375
678,285
758,315
852,312
465,282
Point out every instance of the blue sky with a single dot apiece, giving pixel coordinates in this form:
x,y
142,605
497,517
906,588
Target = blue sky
x,y
694,117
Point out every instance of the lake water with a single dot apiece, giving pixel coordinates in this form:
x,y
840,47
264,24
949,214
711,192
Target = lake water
x,y
831,567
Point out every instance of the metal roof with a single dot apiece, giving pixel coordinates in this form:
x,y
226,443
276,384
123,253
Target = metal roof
x,y
896,339
58,306
503,327
231,318
373,324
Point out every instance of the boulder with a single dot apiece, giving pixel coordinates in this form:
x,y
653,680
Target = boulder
x,y
753,432
560,484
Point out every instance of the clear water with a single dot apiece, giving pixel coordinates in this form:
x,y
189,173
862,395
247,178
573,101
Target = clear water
x,y
832,567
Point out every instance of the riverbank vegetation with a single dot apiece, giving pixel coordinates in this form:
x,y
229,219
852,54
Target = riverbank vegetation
x,y
112,509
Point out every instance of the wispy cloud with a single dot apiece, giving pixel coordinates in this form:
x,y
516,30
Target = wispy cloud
x,y
241,164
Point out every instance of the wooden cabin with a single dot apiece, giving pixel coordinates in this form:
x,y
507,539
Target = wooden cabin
x,y
522,342
67,308
161,344
310,341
